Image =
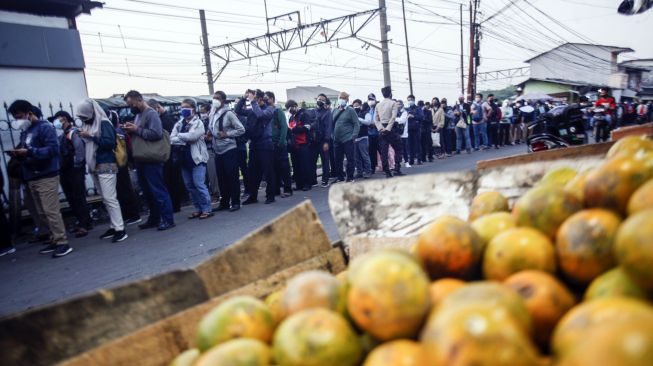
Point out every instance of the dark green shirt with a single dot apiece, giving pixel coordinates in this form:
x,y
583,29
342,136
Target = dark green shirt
x,y
279,128
347,124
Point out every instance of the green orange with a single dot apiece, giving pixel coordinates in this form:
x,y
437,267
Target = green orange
x,y
486,203
237,352
545,208
614,283
634,248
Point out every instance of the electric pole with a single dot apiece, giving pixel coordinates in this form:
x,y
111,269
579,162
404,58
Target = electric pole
x,y
462,55
410,74
470,72
385,52
267,23
477,42
207,52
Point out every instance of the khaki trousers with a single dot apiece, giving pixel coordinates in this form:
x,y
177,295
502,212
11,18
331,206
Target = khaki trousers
x,y
46,199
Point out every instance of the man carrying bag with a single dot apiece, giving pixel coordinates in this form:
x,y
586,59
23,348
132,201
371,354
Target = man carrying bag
x,y
151,149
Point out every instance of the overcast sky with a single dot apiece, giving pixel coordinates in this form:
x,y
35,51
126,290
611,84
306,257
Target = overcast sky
x,y
140,47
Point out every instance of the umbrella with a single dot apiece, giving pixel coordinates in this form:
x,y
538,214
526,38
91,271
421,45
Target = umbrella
x,y
535,96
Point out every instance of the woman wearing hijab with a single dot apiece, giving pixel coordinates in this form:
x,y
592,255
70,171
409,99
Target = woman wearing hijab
x,y
100,137
193,155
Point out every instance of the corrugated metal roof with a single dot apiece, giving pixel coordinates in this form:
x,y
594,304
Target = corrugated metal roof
x,y
61,8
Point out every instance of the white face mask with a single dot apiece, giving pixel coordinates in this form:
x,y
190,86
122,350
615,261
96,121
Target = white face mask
x,y
342,103
411,103
21,124
371,103
216,104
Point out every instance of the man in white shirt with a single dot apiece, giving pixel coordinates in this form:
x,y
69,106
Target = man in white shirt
x,y
389,132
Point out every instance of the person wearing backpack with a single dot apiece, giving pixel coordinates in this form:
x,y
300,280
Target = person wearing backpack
x,y
100,138
225,128
72,171
280,141
479,123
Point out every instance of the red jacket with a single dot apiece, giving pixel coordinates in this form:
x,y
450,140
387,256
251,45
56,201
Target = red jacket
x,y
607,102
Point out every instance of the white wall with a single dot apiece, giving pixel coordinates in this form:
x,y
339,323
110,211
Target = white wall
x,y
30,19
42,86
582,63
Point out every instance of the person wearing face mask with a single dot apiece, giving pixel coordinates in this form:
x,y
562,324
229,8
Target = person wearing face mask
x,y
299,124
100,140
345,131
389,135
279,139
361,144
415,118
261,148
320,130
39,153
226,128
72,171
188,134
438,117
479,122
147,126
426,151
372,132
211,174
171,169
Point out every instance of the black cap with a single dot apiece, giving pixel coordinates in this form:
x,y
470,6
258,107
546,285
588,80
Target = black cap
x,y
62,114
371,96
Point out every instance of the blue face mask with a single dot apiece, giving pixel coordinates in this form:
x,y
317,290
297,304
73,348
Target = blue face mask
x,y
186,112
57,124
411,103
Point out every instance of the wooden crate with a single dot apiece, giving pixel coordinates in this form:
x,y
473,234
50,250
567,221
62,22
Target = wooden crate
x,y
58,332
645,129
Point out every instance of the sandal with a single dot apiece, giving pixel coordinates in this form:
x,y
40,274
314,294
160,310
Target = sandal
x,y
205,215
194,215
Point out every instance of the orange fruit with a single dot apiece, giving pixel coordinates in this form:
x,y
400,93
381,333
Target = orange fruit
x,y
486,203
186,358
558,177
237,352
491,225
273,301
439,289
449,247
545,208
374,302
313,289
630,146
576,186
546,299
642,198
584,244
634,248
611,184
397,353
614,283
516,250
316,337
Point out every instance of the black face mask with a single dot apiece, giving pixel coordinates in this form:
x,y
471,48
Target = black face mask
x,y
357,109
135,110
320,103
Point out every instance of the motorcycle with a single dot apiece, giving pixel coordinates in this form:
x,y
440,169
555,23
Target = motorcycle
x,y
601,124
561,127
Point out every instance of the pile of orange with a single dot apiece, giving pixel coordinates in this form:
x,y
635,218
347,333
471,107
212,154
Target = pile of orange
x,y
564,278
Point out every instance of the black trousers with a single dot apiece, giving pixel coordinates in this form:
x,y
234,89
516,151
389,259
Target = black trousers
x,y
226,166
504,134
426,141
242,165
374,150
386,140
127,197
414,146
282,169
342,150
332,161
493,133
261,165
317,151
301,165
5,229
175,184
73,183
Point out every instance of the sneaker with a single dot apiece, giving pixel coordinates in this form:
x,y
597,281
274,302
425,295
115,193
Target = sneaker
x,y
62,250
119,236
398,173
148,225
49,249
108,234
234,208
133,221
5,251
324,184
250,201
269,200
165,226
407,165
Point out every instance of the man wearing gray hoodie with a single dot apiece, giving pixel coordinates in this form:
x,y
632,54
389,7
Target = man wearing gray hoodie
x,y
225,127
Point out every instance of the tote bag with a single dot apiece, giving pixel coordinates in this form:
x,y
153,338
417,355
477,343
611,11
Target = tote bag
x,y
145,151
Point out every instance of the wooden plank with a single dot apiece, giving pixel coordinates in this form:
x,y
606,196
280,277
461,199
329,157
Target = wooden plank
x,y
570,152
158,343
292,238
621,132
53,333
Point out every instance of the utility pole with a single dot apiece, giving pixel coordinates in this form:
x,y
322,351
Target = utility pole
x,y
477,43
410,74
207,52
267,23
470,72
462,55
385,52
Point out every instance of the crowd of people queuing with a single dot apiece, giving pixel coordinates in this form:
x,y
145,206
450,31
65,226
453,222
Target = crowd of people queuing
x,y
206,152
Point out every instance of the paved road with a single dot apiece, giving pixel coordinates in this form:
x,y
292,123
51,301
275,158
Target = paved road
x,y
30,279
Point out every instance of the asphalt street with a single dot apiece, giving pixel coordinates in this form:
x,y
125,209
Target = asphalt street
x,y
32,280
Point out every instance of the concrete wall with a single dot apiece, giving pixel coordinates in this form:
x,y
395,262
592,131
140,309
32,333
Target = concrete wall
x,y
584,63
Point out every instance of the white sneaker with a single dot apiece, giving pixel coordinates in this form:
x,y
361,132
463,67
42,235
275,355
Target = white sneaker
x,y
407,165
10,250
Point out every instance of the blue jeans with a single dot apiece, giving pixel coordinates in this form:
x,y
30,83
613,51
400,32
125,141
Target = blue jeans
x,y
460,134
194,178
150,177
362,156
480,131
